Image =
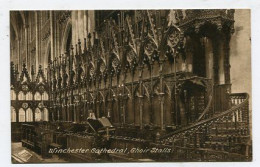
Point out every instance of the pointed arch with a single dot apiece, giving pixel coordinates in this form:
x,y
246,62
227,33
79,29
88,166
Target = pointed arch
x,y
37,96
38,115
13,114
22,14
101,95
67,37
29,115
113,94
14,25
128,92
167,89
29,96
45,96
136,90
21,115
21,96
91,69
102,65
146,91
13,95
45,114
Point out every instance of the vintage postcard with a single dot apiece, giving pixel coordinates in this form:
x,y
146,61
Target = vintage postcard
x,y
169,85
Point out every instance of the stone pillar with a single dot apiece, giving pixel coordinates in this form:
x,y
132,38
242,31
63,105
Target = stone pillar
x,y
215,43
227,59
91,22
85,24
118,114
161,95
26,47
151,96
36,40
17,112
123,108
52,34
124,99
19,63
161,99
141,111
68,112
141,96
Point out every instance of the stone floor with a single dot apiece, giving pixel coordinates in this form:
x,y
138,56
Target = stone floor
x,y
32,156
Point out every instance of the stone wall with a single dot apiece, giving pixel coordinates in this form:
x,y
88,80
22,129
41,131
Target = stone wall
x,y
240,53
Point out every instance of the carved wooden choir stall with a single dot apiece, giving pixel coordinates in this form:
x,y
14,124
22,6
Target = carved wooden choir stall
x,y
162,78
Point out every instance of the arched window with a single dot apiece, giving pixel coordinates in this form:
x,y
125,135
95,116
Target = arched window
x,y
21,115
21,96
28,96
45,96
38,114
45,114
13,95
37,96
13,115
40,79
29,115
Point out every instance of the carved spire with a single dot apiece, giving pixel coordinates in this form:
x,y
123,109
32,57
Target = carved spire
x,y
25,75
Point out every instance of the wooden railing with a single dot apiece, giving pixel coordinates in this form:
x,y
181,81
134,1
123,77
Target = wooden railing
x,y
226,132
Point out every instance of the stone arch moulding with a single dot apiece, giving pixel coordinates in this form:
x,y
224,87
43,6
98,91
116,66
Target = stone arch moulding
x,y
65,36
14,26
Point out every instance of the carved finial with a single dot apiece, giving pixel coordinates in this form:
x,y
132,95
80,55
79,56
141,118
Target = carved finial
x,y
24,65
89,36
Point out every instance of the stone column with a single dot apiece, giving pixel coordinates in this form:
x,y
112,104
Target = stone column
x,y
19,63
215,43
151,96
17,112
227,59
161,99
124,101
161,95
141,96
52,34
141,111
36,40
27,47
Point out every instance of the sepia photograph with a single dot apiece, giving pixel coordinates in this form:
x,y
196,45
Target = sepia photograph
x,y
166,85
